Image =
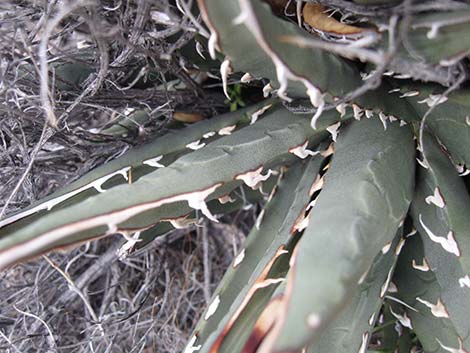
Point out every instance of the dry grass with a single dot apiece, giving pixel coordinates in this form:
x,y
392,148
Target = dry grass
x,y
87,300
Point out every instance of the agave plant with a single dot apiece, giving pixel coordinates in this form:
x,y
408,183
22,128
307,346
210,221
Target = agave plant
x,y
360,154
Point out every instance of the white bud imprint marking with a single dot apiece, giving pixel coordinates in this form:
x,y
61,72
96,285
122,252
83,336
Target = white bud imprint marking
x,y
212,308
365,339
238,260
190,347
225,70
258,113
436,199
424,267
403,319
196,145
448,243
302,152
246,78
464,281
452,350
254,177
153,162
438,309
227,130
333,130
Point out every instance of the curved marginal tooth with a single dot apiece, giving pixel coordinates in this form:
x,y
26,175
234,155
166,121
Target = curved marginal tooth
x,y
383,118
200,50
333,130
404,319
227,130
357,112
302,152
195,145
239,258
434,99
254,178
341,109
246,78
225,70
365,340
267,89
464,281
258,113
154,162
369,113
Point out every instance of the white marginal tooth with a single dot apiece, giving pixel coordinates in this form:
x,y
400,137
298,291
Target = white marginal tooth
x,y
190,347
432,33
154,162
209,134
436,199
403,77
369,113
225,70
246,78
464,281
267,90
254,178
422,163
195,145
238,260
357,112
395,90
258,113
227,130
467,120
448,243
392,118
200,49
302,151
212,43
388,73
383,118
386,248
341,109
410,94
365,340
333,130
403,123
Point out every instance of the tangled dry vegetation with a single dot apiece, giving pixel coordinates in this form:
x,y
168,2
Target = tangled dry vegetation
x,y
88,300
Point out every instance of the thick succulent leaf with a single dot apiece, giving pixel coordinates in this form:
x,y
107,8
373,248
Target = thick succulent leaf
x,y
366,195
449,119
242,294
352,329
440,211
440,38
241,28
133,164
208,173
421,291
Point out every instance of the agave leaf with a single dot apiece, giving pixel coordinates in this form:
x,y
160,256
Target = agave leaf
x,y
135,163
419,290
366,195
209,172
394,337
241,292
352,329
440,213
449,120
440,38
